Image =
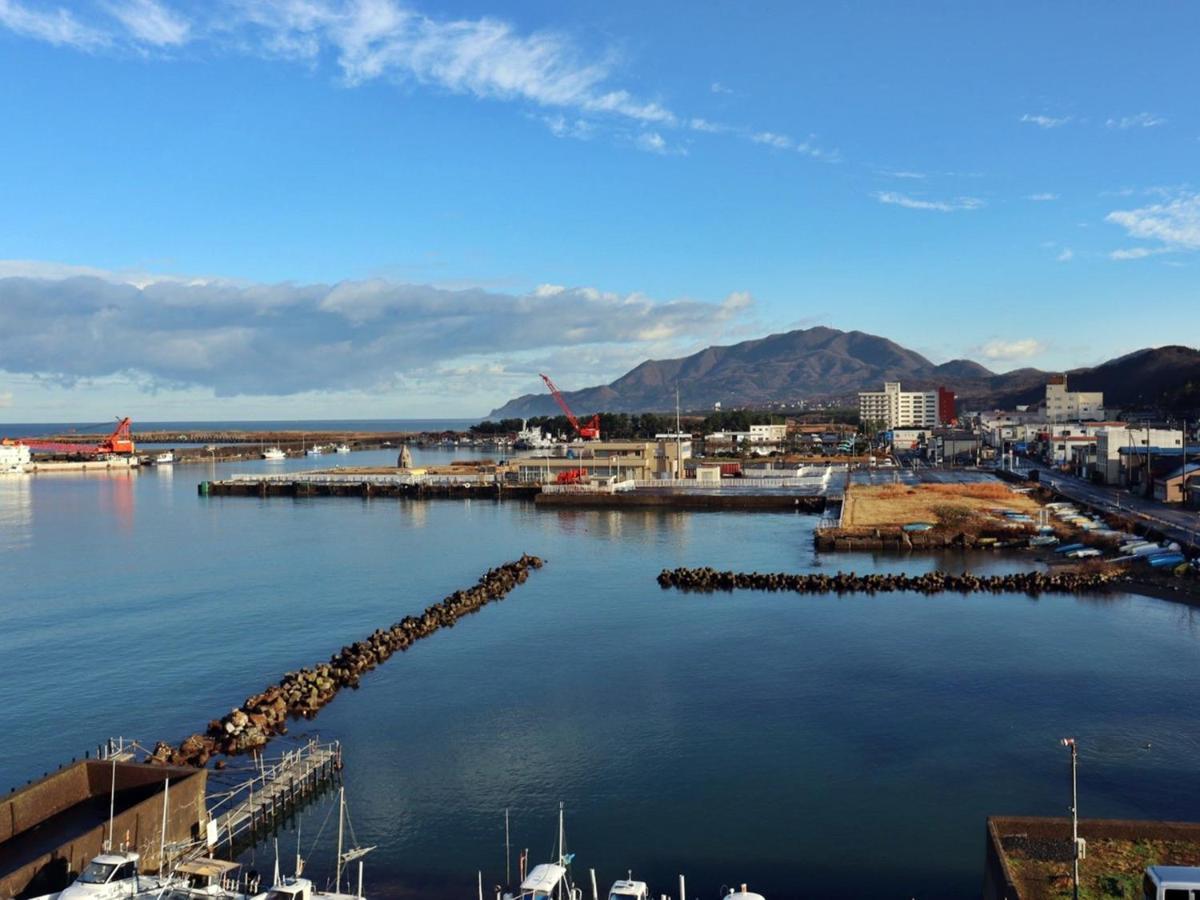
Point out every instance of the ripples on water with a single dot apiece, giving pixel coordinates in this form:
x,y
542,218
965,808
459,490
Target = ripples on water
x,y
817,746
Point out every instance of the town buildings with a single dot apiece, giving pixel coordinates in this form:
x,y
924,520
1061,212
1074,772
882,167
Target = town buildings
x,y
1063,405
897,408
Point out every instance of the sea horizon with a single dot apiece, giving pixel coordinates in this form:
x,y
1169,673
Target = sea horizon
x,y
36,429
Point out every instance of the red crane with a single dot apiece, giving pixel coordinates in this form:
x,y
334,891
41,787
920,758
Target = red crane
x,y
120,441
590,431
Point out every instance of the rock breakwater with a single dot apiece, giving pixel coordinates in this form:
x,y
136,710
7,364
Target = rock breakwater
x,y
707,580
304,692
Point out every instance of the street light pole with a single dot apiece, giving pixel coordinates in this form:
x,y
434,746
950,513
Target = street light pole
x,y
1070,742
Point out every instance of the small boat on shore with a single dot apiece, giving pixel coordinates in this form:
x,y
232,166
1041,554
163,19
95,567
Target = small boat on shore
x,y
1084,553
1163,560
1069,548
1044,540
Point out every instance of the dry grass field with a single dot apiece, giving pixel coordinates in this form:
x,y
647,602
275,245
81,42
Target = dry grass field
x,y
948,505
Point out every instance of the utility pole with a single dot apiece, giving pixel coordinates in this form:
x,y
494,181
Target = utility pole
x,y
1070,742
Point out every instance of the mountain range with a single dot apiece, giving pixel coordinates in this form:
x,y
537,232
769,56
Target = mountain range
x,y
825,364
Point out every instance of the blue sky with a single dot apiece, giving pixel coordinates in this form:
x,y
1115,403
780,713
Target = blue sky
x,y
312,208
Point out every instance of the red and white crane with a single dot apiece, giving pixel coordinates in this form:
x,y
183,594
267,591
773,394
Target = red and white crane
x,y
120,441
588,432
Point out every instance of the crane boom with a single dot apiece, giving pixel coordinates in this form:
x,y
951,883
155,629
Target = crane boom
x,y
590,431
120,441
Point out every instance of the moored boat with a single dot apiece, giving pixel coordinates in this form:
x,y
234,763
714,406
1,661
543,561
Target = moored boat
x,y
165,459
273,454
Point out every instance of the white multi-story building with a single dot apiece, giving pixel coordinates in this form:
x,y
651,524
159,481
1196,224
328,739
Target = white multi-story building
x,y
1110,441
1071,406
897,408
768,434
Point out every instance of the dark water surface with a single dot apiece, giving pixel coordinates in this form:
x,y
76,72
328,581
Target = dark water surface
x,y
813,746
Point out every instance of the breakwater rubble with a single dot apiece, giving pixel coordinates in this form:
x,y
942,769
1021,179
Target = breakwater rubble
x,y
707,580
303,693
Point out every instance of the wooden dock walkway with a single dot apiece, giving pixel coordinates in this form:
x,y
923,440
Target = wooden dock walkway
x,y
279,788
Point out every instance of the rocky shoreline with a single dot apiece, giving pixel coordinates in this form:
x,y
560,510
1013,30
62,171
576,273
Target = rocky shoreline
x,y
707,580
303,693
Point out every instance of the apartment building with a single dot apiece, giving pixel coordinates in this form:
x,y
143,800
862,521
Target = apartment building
x,y
898,408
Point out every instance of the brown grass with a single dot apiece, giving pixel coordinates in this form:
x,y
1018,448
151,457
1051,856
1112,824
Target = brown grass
x,y
947,505
1113,868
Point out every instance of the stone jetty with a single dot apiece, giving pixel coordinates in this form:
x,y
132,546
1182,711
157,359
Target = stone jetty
x,y
303,693
707,580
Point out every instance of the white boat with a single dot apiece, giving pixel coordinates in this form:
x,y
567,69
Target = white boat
x,y
342,448
628,889
206,879
532,439
109,876
14,459
549,880
313,451
274,454
165,459
1084,553
298,888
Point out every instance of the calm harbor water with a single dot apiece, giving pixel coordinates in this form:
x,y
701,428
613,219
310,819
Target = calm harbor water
x,y
813,746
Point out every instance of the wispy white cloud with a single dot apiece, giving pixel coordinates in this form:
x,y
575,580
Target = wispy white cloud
x,y
1065,255
1175,225
1045,121
151,22
1140,120
785,142
58,26
1041,198
772,139
572,127
652,142
895,198
226,337
572,90
902,173
1020,348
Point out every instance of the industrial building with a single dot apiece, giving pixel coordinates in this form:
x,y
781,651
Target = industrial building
x,y
897,408
637,460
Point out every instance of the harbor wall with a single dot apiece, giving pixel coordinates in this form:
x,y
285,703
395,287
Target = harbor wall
x,y
694,501
52,828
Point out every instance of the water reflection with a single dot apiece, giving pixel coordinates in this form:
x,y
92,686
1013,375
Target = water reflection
x,y
16,512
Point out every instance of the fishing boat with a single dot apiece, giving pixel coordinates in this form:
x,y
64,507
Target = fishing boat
x,y
628,889
1069,548
111,875
550,881
342,448
274,454
206,879
313,451
296,887
165,459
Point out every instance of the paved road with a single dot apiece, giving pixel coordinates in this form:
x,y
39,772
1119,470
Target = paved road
x,y
1179,524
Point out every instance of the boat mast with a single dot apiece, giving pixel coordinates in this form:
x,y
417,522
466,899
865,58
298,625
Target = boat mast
x,y
162,837
341,820
507,848
561,849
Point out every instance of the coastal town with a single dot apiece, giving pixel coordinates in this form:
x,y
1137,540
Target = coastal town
x,y
623,451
